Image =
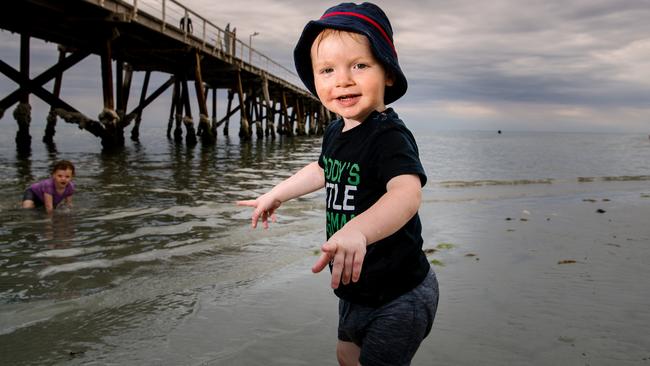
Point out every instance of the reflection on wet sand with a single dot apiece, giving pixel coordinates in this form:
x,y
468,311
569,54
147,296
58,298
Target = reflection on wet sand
x,y
59,230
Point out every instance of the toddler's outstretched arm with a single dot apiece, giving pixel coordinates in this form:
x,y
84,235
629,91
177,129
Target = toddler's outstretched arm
x,y
307,180
48,203
347,247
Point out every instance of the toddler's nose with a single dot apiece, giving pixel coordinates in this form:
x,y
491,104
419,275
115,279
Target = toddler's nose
x,y
343,79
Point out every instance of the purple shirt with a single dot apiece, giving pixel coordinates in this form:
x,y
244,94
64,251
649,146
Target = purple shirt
x,y
47,186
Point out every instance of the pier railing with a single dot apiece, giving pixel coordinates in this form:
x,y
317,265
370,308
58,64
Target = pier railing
x,y
211,38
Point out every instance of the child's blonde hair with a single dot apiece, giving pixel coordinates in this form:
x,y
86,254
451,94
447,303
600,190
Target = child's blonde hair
x,y
328,32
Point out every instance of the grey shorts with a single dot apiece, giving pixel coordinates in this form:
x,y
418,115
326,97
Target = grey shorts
x,y
31,196
392,333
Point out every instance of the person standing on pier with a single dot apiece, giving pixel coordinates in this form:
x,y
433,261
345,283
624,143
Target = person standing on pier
x,y
370,167
226,38
51,192
186,24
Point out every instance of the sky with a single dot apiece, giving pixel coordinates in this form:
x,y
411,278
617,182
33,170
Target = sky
x,y
578,65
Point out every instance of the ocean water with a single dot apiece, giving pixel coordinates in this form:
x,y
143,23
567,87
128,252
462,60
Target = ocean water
x,y
154,230
533,157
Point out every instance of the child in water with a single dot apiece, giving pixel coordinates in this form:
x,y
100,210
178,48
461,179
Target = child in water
x,y
370,167
52,191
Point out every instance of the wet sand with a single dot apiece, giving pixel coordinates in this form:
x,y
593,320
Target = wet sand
x,y
533,280
555,280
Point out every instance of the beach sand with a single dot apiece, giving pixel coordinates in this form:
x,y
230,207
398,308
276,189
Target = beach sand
x,y
529,279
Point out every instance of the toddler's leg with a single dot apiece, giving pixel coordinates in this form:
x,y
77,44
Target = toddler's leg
x,y
28,204
28,199
391,334
347,353
397,328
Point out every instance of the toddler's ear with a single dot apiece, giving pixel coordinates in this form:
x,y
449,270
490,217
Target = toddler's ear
x,y
390,78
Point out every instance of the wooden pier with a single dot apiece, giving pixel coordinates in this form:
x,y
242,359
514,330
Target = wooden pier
x,y
153,36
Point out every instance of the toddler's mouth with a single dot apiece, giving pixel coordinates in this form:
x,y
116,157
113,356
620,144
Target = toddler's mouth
x,y
347,97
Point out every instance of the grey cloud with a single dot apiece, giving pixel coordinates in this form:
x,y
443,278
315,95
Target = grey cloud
x,y
506,51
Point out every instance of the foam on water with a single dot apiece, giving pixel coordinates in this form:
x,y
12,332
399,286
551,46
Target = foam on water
x,y
125,214
74,252
167,230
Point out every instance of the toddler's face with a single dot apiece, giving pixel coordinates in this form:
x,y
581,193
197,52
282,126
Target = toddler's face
x,y
62,177
349,80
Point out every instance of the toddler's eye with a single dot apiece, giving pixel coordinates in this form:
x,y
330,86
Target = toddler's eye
x,y
360,66
326,70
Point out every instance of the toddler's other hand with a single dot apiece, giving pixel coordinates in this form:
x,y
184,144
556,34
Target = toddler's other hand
x,y
265,207
347,249
64,207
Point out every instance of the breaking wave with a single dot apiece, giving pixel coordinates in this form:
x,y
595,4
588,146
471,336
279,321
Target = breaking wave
x,y
517,182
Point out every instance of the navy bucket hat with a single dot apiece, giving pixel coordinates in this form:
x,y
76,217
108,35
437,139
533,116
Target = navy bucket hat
x,y
367,19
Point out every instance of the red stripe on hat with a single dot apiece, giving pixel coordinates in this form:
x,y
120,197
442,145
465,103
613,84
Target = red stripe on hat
x,y
367,19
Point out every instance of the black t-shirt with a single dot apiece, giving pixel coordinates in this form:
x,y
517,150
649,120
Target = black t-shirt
x,y
358,164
